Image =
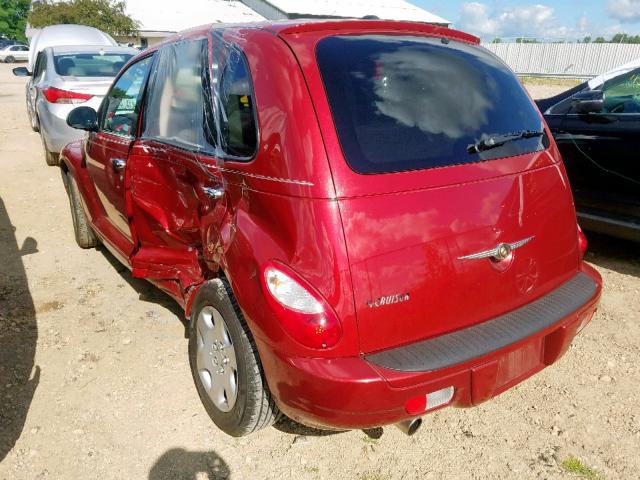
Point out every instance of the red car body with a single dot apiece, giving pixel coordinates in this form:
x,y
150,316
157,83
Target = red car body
x,y
384,253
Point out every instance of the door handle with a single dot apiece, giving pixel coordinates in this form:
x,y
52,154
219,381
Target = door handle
x,y
118,164
215,193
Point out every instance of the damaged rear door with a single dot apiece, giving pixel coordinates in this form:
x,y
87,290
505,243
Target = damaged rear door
x,y
176,194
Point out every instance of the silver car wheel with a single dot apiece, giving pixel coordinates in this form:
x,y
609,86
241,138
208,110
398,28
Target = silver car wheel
x,y
216,359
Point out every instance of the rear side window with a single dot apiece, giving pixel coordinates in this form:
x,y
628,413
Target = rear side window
x,y
89,64
236,116
408,103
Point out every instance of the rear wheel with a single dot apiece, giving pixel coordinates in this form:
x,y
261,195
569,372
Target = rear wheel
x,y
33,120
85,236
9,59
225,364
52,158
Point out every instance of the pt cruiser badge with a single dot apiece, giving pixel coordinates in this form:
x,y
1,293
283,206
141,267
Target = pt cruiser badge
x,y
388,300
499,253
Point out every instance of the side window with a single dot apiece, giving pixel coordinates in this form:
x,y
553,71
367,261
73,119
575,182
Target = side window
x,y
236,117
41,64
178,108
121,107
622,94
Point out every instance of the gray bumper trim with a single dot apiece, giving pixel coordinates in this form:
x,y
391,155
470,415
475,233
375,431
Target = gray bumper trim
x,y
478,340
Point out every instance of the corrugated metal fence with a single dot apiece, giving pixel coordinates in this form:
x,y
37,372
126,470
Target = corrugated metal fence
x,y
580,60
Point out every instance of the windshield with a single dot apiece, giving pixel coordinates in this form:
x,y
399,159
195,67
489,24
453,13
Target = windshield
x,y
406,103
89,64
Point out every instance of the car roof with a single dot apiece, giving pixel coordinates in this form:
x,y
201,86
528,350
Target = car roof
x,y
67,35
330,25
92,48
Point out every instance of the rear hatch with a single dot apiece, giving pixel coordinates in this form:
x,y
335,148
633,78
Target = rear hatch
x,y
439,156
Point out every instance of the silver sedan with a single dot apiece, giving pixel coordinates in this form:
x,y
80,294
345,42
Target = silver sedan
x,y
63,78
14,53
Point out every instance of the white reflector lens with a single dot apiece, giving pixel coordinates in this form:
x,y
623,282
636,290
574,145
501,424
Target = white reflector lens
x,y
441,397
290,293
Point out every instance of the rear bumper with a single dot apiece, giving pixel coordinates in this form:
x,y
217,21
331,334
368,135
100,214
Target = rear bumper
x,y
365,392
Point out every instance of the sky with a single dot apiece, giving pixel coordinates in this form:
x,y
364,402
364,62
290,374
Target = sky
x,y
544,19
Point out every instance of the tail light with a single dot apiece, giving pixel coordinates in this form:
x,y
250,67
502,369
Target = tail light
x,y
305,315
582,242
56,95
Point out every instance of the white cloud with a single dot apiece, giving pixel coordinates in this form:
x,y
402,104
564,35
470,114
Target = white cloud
x,y
625,11
531,21
474,17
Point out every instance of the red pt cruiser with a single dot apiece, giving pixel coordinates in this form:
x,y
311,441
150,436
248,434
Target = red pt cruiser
x,y
364,221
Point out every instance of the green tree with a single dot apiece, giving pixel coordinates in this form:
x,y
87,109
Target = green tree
x,y
496,40
587,40
13,18
107,15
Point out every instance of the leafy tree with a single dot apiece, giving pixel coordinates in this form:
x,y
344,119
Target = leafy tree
x,y
13,18
600,40
107,15
496,40
526,40
587,40
624,38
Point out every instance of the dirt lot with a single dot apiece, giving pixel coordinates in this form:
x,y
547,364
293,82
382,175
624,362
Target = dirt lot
x,y
95,383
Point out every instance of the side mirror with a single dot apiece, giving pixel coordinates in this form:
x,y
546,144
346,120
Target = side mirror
x,y
83,118
21,72
590,101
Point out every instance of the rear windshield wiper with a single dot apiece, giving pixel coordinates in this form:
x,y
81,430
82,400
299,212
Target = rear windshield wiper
x,y
499,140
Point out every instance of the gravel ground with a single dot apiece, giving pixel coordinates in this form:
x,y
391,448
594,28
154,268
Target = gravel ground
x,y
95,383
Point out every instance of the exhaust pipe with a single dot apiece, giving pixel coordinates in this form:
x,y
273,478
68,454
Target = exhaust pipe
x,y
409,427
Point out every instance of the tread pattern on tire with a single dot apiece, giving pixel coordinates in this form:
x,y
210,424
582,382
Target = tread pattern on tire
x,y
85,236
261,410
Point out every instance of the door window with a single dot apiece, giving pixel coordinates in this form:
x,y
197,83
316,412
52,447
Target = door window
x,y
622,94
178,110
121,107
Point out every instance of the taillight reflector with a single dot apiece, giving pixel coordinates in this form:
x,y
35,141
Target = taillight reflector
x,y
56,95
424,403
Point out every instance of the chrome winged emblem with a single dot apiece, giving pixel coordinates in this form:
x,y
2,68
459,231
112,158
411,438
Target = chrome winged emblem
x,y
500,252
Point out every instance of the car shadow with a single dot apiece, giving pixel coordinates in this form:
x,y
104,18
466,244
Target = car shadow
x,y
147,292
18,335
288,425
180,464
615,254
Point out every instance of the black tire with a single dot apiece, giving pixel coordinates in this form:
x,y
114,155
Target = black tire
x,y
9,59
35,123
254,408
52,158
85,236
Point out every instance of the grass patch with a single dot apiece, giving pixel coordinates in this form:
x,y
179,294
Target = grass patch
x,y
573,465
551,82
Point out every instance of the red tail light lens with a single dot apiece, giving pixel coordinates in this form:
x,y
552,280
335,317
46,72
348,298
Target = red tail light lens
x,y
305,315
56,95
582,242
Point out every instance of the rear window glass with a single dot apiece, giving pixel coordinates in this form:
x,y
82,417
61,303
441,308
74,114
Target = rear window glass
x,y
408,103
89,64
